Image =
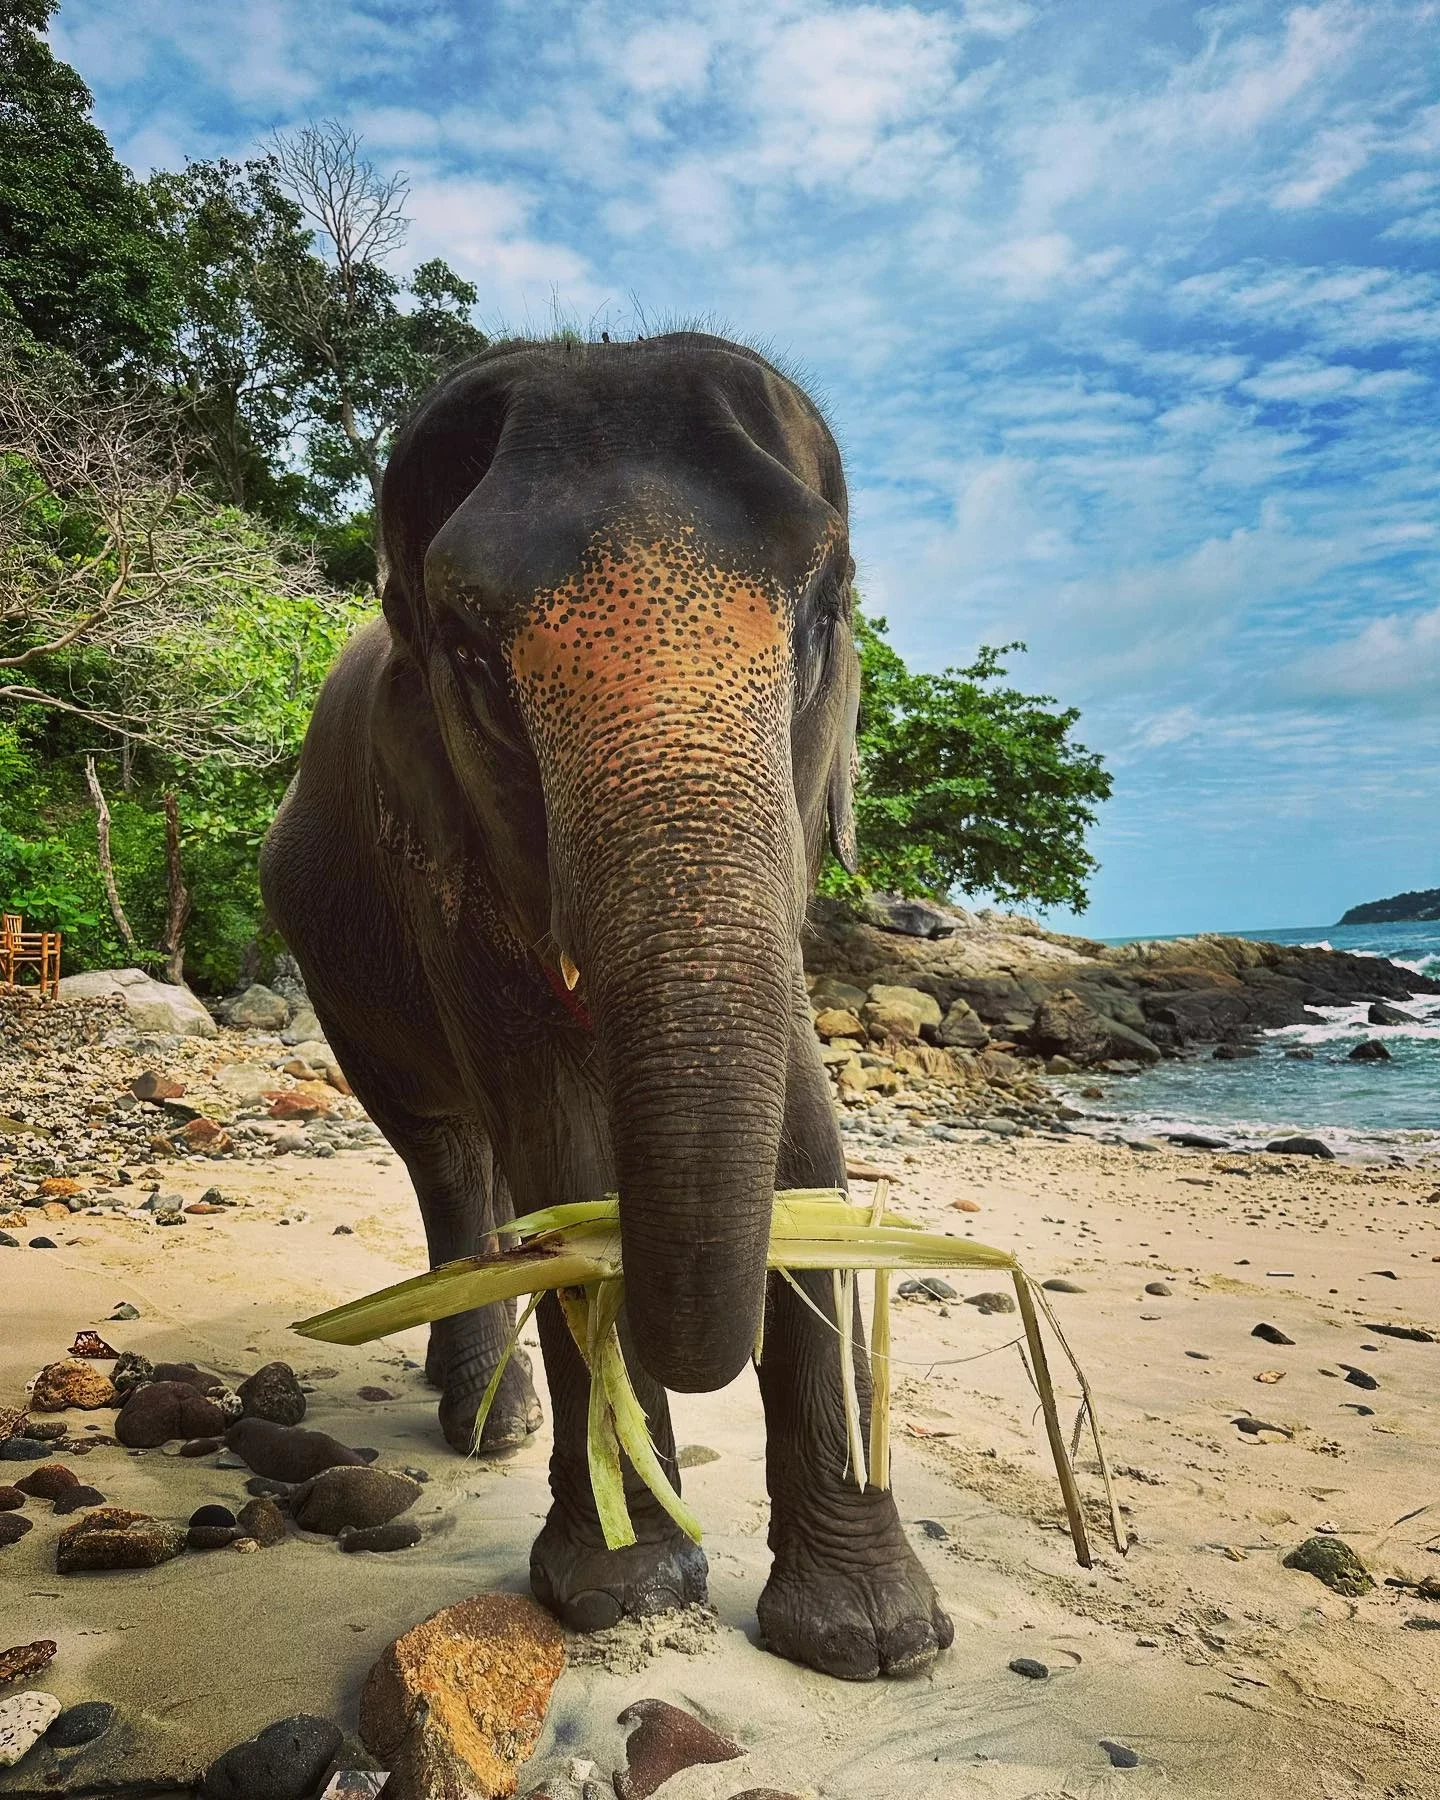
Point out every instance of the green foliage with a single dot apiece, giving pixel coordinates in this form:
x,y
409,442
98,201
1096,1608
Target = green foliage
x,y
968,784
80,267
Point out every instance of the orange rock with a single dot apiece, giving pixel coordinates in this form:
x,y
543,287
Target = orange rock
x,y
203,1206
63,1384
455,1706
970,1206
61,1187
151,1086
52,1209
204,1134
297,1103
335,1075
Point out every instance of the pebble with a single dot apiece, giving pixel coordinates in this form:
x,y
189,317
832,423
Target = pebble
x,y
124,1310
80,1724
43,1243
398,1534
49,1481
1361,1378
374,1393
343,1231
202,1446
210,1537
691,1456
76,1499
61,1385
991,1302
1331,1560
114,1538
273,1393
666,1739
212,1515
23,1449
13,1527
1059,1285
932,1528
131,1371
285,1762
1271,1334
1121,1755
10,1499
1028,1667
286,1452
1158,1289
8,1241
352,1496
929,1287
24,1660
24,1719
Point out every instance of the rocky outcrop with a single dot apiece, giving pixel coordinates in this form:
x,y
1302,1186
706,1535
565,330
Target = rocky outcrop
x,y
1075,998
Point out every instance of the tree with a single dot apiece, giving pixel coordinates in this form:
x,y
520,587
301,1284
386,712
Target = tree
x,y
128,598
966,784
80,267
363,358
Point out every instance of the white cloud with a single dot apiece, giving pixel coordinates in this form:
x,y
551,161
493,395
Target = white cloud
x,y
1308,380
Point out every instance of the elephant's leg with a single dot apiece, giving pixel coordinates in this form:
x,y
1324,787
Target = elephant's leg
x,y
452,1170
584,1584
846,1593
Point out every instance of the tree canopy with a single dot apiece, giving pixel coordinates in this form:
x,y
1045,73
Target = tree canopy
x,y
967,783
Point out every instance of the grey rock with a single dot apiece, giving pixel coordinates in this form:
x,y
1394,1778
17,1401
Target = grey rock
x,y
152,1005
258,1008
962,1028
287,1452
304,1028
23,1449
1028,1667
273,1392
352,1496
1121,1755
77,1499
397,1534
80,1724
991,1303
1372,1050
285,1762
1382,1013
1302,1146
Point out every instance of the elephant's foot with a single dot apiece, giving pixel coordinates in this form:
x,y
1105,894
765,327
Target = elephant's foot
x,y
588,1587
514,1414
860,1609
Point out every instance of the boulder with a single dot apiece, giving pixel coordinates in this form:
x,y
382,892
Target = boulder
x,y
48,1482
354,1496
455,1706
962,1027
64,1384
162,1410
1372,1050
154,1006
262,1520
303,1028
245,1081
830,990
1331,1560
837,1022
1302,1146
287,1761
1382,1013
256,1009
912,918
1068,1025
902,1013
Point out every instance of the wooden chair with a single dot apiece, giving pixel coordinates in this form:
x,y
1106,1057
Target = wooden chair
x,y
21,949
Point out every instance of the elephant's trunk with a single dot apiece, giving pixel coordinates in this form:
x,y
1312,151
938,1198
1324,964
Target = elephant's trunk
x,y
657,697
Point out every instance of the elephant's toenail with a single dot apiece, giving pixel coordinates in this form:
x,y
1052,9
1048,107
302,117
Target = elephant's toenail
x,y
595,1611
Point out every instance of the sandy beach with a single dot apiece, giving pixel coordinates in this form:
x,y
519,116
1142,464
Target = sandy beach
x,y
1224,1672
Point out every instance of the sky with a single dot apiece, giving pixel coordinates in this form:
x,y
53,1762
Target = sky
x,y
1127,317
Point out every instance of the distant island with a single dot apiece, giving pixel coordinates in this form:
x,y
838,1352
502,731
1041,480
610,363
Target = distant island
x,y
1397,909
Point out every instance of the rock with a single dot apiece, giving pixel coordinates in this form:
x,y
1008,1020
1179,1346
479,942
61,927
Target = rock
x,y
61,1187
207,1138
926,1287
1361,1378
273,1392
91,1345
911,918
153,1086
24,1660
991,1303
285,1452
1196,1140
246,1081
1158,1289
1057,1284
900,1012
665,1740
398,1534
204,1381
374,1394
22,1448
1302,1146
304,1028
933,1529
132,1370
153,1006
352,1496
124,1310
1067,1025
162,1410
80,1724
298,1103
76,1499
8,1241
832,1022
1300,1054
695,1456
43,1243
210,1537
257,1009
285,1762
212,1515
1382,1013
49,1481
13,1526
11,1499
455,1706
62,1385
1272,1334
830,990
263,1520
962,1028
1121,1755
112,1537
24,1719
1233,1052
1372,1050
1028,1667
1413,1334
1331,1560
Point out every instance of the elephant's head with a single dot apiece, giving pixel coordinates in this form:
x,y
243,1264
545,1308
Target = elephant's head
x,y
646,594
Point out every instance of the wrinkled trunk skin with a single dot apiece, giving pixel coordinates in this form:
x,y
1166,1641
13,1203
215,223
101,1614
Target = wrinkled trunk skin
x,y
657,697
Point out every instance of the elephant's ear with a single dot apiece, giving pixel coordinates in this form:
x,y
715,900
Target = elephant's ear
x,y
844,772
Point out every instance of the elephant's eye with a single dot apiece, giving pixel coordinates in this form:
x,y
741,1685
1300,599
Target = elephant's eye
x,y
814,636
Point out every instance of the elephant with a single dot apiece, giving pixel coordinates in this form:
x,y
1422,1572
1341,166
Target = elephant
x,y
544,865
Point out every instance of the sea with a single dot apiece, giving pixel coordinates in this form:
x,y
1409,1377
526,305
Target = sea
x,y
1362,1109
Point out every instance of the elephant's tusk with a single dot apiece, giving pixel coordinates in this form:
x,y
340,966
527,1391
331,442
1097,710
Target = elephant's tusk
x,y
568,970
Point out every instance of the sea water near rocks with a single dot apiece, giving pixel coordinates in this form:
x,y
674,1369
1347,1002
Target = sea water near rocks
x,y
1364,1109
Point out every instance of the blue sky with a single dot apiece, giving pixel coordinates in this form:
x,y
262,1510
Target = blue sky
x,y
1128,317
